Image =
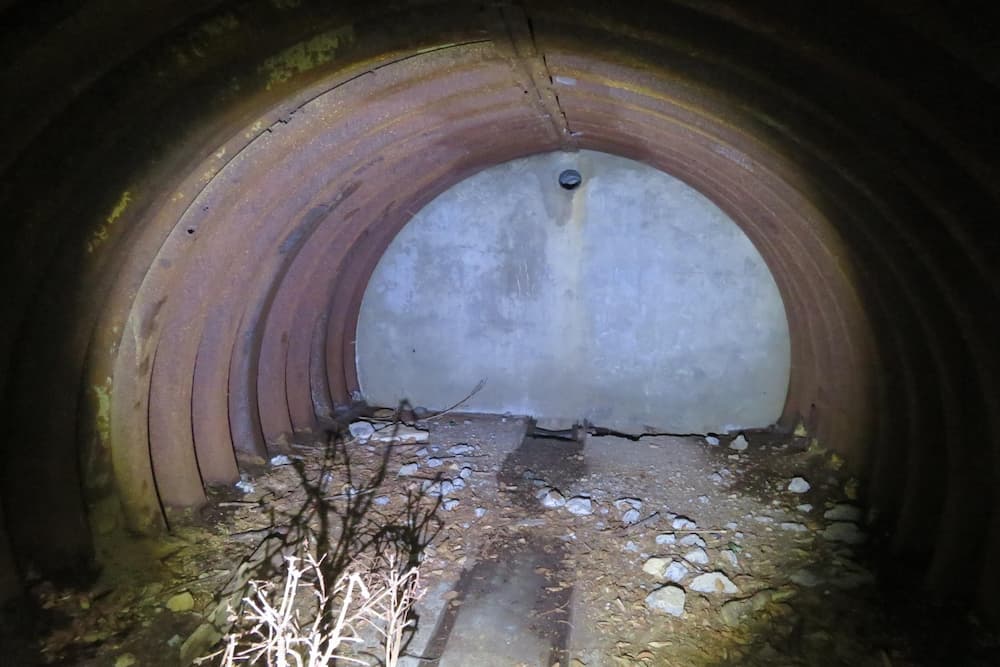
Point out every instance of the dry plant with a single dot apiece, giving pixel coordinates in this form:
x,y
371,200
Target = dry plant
x,y
303,622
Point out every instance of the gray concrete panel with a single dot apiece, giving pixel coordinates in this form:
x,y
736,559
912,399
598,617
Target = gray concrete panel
x,y
631,301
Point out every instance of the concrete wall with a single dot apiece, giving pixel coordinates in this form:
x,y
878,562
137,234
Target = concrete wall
x,y
631,301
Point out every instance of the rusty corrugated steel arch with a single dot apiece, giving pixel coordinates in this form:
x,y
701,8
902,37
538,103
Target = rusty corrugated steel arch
x,y
187,278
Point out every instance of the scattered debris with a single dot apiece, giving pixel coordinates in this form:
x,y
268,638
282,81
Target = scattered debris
x,y
754,558
697,556
714,582
683,523
580,505
798,485
181,602
362,431
669,600
675,571
553,499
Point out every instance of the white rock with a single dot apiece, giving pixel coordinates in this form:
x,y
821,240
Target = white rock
x,y
793,527
712,440
630,517
731,525
715,478
675,572
798,485
804,507
381,500
434,462
181,602
552,499
579,505
739,443
714,582
450,504
421,452
631,547
697,556
442,488
845,532
458,483
729,556
843,512
655,566
625,504
669,599
408,470
280,460
399,433
362,431
692,540
480,512
683,523
244,486
460,449
666,538
465,473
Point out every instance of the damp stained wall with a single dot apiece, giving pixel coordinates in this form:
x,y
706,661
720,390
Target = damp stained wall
x,y
631,301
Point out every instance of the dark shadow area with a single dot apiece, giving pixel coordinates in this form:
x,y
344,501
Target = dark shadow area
x,y
520,578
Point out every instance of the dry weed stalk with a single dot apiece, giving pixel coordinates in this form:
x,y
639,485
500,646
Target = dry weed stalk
x,y
326,625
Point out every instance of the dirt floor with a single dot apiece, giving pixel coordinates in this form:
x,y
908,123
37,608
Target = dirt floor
x,y
535,548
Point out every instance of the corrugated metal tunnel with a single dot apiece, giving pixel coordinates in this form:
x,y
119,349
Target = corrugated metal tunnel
x,y
196,196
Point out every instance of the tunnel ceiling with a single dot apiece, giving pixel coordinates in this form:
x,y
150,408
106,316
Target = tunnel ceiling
x,y
195,198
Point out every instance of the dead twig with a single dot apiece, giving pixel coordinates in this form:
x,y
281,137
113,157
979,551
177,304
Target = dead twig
x,y
476,390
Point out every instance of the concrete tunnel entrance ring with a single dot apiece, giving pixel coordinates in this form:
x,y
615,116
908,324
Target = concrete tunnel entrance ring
x,y
631,302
